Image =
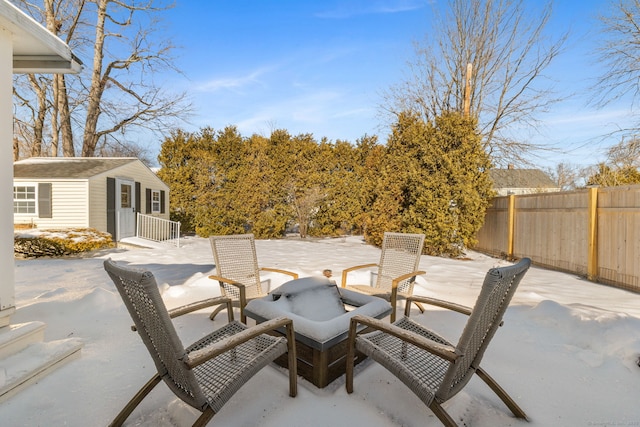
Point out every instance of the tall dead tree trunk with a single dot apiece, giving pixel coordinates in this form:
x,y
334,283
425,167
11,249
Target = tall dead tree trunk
x,y
62,102
38,123
90,139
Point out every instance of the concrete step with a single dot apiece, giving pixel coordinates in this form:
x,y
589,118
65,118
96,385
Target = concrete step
x,y
14,338
33,363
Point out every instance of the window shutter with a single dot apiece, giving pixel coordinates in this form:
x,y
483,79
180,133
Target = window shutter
x,y
138,198
162,210
111,207
148,200
44,200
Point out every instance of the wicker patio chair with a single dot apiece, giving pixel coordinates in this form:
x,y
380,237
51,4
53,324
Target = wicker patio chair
x,y
433,368
207,373
237,270
396,271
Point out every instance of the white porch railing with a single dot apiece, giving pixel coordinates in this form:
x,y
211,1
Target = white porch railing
x,y
158,229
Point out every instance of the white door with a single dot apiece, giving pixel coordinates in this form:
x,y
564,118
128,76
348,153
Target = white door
x,y
125,208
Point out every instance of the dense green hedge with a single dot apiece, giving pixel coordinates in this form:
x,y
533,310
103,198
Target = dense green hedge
x,y
430,177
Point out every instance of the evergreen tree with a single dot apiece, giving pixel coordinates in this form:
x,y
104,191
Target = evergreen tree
x,y
608,176
183,158
265,217
434,180
220,208
340,205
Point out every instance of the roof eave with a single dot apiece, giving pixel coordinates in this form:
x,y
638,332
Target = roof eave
x,y
36,49
45,64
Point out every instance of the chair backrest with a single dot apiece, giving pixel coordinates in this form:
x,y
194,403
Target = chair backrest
x,y
141,296
235,258
497,290
400,255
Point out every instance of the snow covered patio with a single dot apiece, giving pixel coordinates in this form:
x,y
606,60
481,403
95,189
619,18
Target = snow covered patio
x,y
567,352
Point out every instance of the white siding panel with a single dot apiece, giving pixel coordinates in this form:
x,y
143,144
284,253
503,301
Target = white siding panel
x,y
147,179
68,203
98,203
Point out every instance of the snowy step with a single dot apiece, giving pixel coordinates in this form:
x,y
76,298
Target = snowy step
x,y
34,362
16,337
5,316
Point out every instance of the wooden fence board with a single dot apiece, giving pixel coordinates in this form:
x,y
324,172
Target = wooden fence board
x,y
555,231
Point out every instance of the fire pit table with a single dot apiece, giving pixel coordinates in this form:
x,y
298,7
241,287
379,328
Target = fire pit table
x,y
321,313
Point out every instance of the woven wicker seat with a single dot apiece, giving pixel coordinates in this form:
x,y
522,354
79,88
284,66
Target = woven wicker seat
x,y
433,368
396,271
207,373
237,270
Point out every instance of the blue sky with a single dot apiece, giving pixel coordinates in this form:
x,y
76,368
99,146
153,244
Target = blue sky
x,y
320,67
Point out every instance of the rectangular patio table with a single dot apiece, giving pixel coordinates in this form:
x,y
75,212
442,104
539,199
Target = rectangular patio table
x,y
321,321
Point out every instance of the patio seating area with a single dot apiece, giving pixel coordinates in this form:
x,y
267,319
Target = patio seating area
x,y
313,328
557,328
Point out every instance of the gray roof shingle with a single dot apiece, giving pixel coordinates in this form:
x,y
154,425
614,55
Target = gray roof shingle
x,y
67,167
520,178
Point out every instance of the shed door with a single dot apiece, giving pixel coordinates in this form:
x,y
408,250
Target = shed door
x,y
125,208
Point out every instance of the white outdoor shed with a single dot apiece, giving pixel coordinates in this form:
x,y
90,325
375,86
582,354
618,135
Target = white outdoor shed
x,y
105,193
25,47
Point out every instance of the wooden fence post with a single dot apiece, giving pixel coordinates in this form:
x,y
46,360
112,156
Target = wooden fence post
x,y
592,262
511,225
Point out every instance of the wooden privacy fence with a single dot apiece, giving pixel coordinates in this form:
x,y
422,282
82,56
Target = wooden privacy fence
x,y
593,232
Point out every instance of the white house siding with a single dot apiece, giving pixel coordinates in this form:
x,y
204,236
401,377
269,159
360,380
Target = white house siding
x,y
138,172
521,191
98,201
68,202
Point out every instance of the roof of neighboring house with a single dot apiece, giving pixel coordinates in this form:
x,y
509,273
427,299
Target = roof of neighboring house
x,y
67,167
520,178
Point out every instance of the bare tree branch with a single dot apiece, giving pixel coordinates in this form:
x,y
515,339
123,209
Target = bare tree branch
x,y
117,91
507,46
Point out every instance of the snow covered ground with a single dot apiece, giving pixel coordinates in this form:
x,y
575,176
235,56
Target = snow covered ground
x,y
567,352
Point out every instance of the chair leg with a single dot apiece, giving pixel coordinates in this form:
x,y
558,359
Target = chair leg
x,y
350,357
292,361
204,418
420,306
215,312
135,401
442,415
513,406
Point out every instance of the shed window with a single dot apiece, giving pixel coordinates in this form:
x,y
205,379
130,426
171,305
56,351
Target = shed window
x,y
24,199
155,201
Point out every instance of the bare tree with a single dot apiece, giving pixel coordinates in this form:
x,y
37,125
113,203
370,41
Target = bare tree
x,y
566,176
117,91
619,52
626,153
46,96
506,45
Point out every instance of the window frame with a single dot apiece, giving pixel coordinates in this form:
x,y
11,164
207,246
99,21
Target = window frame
x,y
156,204
34,200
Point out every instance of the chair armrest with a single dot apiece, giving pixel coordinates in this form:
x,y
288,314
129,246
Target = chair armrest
x,y
188,308
357,267
225,280
277,270
439,303
198,305
394,282
446,352
198,357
